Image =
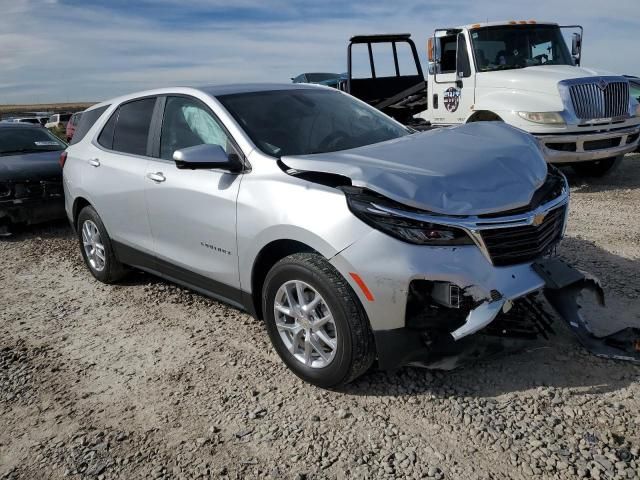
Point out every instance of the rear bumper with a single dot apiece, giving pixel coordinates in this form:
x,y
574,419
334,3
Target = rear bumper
x,y
582,147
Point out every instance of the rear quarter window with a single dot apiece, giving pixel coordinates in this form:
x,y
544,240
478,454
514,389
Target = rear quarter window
x,y
87,120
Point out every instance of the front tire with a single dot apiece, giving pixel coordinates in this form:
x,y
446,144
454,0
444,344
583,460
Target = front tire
x,y
597,168
96,247
315,321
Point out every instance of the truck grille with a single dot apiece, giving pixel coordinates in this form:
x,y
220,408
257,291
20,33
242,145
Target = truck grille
x,y
513,245
591,101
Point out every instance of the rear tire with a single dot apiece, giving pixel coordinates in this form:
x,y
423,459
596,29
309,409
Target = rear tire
x,y
96,248
597,168
347,344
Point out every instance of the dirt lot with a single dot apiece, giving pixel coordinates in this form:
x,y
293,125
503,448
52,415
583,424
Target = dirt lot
x,y
147,380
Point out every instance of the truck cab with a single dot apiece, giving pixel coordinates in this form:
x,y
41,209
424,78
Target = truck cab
x,y
523,73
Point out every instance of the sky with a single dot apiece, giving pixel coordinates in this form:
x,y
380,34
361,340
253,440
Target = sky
x,y
89,50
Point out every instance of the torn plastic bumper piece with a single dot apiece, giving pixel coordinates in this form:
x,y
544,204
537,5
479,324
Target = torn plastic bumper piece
x,y
479,318
563,286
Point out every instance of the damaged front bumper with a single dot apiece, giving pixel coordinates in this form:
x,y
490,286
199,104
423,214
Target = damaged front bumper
x,y
29,211
455,306
506,325
564,286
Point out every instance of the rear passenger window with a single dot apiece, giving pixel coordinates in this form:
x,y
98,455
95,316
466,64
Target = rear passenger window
x,y
132,127
87,120
106,136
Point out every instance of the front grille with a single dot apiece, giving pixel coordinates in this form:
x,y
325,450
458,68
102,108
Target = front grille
x,y
590,101
513,245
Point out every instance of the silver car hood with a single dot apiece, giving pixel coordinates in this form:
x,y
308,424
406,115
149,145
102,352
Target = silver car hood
x,y
471,169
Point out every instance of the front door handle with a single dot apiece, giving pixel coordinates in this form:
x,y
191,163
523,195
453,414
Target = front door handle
x,y
156,177
94,162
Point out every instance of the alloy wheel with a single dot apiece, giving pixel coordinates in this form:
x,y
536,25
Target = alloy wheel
x,y
305,324
93,246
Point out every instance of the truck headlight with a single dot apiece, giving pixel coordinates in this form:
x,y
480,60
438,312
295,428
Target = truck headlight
x,y
364,205
549,118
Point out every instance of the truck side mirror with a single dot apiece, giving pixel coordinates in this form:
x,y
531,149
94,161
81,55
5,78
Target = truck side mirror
x,y
576,47
431,54
463,66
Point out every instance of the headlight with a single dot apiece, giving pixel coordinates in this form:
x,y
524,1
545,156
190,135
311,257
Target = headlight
x,y
365,206
550,118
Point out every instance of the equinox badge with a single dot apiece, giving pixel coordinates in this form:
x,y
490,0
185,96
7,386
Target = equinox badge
x,y
538,219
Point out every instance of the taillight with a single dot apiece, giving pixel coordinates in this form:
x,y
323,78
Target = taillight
x,y
63,159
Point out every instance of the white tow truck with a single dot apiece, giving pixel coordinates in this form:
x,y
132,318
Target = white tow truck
x,y
519,72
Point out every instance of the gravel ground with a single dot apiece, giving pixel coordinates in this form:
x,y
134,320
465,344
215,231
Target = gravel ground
x,y
148,380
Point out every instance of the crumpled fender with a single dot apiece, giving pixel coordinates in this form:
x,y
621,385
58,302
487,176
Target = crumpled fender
x,y
563,286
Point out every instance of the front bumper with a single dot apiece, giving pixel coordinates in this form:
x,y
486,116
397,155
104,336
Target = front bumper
x,y
582,147
29,211
390,268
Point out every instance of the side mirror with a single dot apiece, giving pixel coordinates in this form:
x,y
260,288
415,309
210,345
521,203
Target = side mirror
x,y
576,47
463,66
205,157
433,50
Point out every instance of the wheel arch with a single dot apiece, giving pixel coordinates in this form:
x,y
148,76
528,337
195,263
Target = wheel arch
x,y
484,116
268,256
78,204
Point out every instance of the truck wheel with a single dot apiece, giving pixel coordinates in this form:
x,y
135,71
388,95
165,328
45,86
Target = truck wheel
x,y
597,168
315,321
96,248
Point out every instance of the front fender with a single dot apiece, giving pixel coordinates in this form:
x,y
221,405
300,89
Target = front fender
x,y
517,100
506,103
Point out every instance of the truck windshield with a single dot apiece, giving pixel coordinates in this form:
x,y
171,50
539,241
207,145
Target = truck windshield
x,y
506,47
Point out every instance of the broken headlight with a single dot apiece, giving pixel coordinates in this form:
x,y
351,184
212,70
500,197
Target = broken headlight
x,y
367,207
5,190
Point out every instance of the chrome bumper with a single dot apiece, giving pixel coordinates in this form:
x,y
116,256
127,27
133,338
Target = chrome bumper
x,y
571,147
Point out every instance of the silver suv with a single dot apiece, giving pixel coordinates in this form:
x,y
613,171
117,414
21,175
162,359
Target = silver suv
x,y
355,238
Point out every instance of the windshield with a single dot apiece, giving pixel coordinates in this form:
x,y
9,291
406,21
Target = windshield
x,y
518,46
634,89
321,77
307,121
14,141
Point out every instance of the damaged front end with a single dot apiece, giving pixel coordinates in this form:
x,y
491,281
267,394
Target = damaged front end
x,y
447,325
503,304
27,202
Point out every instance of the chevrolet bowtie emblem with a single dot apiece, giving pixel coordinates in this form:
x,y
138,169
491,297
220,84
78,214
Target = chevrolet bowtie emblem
x,y
602,84
538,219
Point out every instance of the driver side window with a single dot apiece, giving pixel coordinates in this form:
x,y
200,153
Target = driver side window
x,y
187,123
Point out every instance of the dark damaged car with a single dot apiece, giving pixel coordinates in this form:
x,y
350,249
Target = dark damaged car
x,y
30,176
355,238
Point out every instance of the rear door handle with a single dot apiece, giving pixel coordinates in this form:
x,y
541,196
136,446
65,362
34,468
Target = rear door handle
x,y
94,162
156,177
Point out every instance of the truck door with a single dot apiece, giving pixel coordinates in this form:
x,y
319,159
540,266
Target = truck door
x,y
451,79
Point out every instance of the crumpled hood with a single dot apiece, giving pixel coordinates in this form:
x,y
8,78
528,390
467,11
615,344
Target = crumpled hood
x,y
542,78
30,166
471,169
